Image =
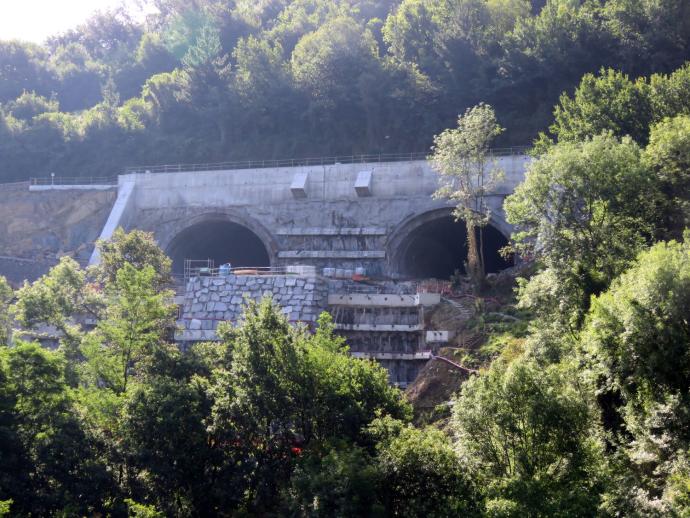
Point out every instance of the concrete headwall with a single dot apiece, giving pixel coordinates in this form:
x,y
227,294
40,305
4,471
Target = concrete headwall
x,y
340,215
318,215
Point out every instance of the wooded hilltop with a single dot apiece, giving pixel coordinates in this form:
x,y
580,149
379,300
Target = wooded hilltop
x,y
217,80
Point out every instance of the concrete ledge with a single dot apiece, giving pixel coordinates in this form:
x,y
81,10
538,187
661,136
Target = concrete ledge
x,y
332,231
437,336
332,254
95,187
198,335
385,300
425,355
402,328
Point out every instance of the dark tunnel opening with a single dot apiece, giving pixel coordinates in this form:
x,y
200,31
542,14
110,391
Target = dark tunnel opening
x,y
437,248
221,241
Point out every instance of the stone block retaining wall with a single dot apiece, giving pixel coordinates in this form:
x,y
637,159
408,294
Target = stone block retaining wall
x,y
210,300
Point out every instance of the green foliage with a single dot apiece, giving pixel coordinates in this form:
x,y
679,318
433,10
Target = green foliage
x,y
29,105
176,458
139,249
242,80
585,209
527,434
134,324
668,155
340,481
637,342
136,510
421,474
612,102
47,463
283,386
637,329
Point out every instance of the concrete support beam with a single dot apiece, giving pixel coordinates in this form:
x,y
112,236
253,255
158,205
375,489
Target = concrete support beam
x,y
332,231
384,300
400,328
363,183
197,335
332,254
76,187
117,214
437,336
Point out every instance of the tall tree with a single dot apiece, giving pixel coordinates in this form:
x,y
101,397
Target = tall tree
x,y
467,173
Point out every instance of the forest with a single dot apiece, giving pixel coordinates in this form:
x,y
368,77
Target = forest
x,y
220,80
582,407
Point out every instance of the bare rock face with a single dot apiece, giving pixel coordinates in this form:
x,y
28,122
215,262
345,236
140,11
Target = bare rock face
x,y
39,227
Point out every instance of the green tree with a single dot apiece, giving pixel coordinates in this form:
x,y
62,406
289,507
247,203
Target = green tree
x,y
23,67
135,323
638,329
668,155
527,433
139,249
284,387
585,209
176,467
61,299
29,105
421,475
607,102
339,481
637,341
467,173
48,466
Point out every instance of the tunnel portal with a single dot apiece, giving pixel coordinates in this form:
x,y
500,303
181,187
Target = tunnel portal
x,y
437,248
221,241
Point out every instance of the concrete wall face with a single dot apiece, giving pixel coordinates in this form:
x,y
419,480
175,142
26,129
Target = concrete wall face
x,y
313,215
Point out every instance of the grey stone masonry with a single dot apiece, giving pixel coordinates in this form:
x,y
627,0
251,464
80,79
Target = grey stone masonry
x,y
211,300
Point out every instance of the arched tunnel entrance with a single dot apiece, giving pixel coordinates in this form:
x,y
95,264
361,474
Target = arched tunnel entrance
x,y
222,241
436,248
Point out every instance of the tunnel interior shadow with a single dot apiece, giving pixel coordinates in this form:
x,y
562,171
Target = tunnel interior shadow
x,y
221,241
438,248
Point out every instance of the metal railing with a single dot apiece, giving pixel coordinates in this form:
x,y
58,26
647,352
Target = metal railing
x,y
14,186
191,271
247,164
74,180
296,162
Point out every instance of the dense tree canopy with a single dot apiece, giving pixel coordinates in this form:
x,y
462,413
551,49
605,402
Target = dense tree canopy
x,y
211,80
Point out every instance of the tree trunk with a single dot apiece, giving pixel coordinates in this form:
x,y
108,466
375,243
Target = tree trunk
x,y
482,264
473,259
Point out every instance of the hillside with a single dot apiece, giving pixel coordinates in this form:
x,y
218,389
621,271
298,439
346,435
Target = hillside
x,y
213,80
